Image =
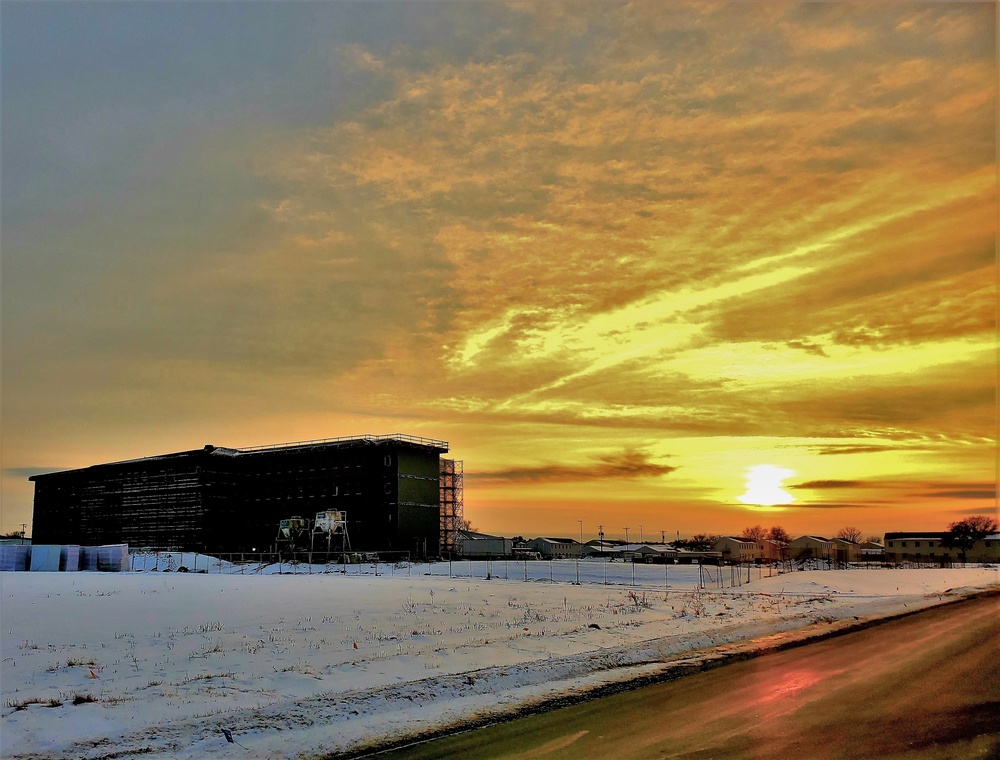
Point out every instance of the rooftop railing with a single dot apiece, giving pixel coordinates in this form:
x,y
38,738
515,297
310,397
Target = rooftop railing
x,y
393,438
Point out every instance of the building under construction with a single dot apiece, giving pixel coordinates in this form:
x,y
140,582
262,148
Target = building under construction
x,y
452,503
396,493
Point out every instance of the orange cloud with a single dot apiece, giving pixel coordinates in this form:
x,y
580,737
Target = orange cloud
x,y
607,227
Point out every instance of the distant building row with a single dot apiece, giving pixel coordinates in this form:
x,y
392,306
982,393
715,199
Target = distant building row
x,y
484,546
735,549
898,548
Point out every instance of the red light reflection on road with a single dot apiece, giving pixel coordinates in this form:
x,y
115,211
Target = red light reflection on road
x,y
791,684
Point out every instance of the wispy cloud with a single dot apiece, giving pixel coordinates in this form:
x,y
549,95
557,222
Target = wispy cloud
x,y
832,505
625,466
960,490
27,472
828,484
835,449
983,494
649,222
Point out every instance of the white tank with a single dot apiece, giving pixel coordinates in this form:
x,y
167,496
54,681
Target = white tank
x,y
330,521
291,526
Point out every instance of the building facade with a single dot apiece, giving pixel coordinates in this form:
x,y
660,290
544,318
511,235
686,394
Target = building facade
x,y
218,499
735,549
556,548
846,551
934,547
811,547
481,545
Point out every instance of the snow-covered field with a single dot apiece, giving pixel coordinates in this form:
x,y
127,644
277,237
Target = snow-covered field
x,y
304,663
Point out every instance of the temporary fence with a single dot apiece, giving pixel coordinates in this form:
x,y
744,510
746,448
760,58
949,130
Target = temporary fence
x,y
53,558
69,558
14,558
270,563
588,571
111,558
44,558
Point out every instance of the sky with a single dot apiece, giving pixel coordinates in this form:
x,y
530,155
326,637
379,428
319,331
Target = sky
x,y
617,254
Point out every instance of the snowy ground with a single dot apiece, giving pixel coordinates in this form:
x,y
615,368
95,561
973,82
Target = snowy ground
x,y
303,663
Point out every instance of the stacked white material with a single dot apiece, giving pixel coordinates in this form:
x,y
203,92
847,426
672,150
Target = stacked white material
x,y
45,558
14,557
112,558
69,558
88,559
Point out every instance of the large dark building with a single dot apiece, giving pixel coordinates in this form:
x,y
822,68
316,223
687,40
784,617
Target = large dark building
x,y
231,500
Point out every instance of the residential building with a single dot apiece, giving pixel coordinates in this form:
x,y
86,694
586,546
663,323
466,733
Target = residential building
x,y
556,548
775,551
811,547
846,551
932,546
735,549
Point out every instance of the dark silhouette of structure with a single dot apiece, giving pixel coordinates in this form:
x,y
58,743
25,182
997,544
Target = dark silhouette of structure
x,y
221,500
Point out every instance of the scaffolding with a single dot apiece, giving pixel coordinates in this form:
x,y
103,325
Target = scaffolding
x,y
452,502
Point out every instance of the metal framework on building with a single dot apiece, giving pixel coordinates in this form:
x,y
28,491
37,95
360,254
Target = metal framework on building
x,y
217,499
452,502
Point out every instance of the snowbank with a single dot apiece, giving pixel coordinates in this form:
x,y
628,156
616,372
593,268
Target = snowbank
x,y
100,665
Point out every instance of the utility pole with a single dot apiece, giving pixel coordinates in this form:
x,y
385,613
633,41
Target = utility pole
x,y
578,553
640,533
627,550
24,528
600,533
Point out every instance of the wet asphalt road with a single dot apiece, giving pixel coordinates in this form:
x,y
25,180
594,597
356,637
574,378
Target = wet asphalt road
x,y
924,686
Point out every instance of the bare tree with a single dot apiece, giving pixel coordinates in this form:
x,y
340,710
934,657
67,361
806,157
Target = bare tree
x,y
777,533
873,539
755,534
963,534
463,523
701,542
849,533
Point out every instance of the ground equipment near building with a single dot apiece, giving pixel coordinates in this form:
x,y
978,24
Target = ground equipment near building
x,y
329,529
293,535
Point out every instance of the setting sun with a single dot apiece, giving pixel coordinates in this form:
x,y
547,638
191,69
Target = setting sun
x,y
763,486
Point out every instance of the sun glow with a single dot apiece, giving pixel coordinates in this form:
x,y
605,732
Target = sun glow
x,y
763,486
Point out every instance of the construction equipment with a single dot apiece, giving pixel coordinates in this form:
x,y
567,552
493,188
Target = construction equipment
x,y
293,535
329,525
298,534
